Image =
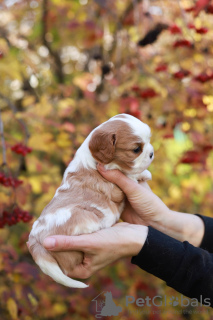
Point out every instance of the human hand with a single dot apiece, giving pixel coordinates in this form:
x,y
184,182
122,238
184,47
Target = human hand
x,y
145,208
142,206
102,247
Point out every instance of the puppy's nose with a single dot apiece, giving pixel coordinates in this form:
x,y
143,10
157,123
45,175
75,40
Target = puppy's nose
x,y
151,155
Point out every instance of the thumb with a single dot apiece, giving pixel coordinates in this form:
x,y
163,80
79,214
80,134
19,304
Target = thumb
x,y
127,185
66,243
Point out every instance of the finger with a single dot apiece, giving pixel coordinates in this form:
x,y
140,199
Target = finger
x,y
145,185
116,176
64,243
80,272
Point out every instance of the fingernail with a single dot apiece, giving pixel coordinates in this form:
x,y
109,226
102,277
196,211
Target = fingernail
x,y
49,243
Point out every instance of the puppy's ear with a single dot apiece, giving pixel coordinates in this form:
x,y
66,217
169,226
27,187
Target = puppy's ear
x,y
102,145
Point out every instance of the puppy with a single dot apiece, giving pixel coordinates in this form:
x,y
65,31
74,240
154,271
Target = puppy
x,y
85,202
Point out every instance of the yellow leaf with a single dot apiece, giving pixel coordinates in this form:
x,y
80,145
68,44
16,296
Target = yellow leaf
x,y
63,140
16,277
35,182
83,80
27,101
1,263
44,107
64,103
40,142
12,308
59,308
3,46
33,300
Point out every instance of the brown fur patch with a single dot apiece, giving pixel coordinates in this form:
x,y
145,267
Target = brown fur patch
x,y
121,153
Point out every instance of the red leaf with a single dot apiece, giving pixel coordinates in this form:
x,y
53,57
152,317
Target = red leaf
x,y
200,5
136,88
210,8
192,156
148,93
190,9
201,30
191,26
161,67
136,113
168,136
182,43
174,29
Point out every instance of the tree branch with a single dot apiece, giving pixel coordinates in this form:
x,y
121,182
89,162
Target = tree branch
x,y
58,64
14,110
3,142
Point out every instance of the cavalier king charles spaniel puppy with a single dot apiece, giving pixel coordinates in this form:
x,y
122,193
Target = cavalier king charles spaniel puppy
x,y
85,202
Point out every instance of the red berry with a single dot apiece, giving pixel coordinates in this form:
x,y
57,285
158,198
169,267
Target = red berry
x,y
19,148
9,181
204,77
15,216
181,74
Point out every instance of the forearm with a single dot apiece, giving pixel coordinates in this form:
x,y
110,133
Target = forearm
x,y
181,226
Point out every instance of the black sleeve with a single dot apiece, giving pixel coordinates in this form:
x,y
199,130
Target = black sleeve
x,y
207,242
186,268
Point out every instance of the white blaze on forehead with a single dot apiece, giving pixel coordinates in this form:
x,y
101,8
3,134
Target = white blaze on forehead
x,y
138,127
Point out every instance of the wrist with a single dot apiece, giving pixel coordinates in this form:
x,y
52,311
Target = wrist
x,y
193,230
162,221
135,239
181,226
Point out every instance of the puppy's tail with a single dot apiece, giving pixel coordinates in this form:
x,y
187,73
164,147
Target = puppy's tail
x,y
50,267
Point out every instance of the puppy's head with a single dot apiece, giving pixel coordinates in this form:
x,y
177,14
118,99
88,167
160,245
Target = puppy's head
x,y
123,142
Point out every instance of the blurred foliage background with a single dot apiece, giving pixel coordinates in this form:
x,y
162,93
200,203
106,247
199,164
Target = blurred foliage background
x,y
66,66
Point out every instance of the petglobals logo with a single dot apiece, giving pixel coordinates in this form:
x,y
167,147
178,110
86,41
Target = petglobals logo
x,y
105,305
159,301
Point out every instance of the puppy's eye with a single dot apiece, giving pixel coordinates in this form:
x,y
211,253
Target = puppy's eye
x,y
137,150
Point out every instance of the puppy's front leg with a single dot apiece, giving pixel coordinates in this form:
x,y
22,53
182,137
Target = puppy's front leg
x,y
144,176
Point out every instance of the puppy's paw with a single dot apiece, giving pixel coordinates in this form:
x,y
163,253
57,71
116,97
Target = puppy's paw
x,y
145,176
